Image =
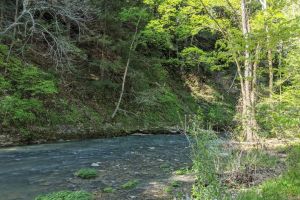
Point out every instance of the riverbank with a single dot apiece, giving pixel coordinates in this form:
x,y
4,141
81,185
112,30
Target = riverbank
x,y
70,133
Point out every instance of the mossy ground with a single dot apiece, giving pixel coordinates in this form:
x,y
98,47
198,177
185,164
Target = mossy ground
x,y
66,195
130,184
86,173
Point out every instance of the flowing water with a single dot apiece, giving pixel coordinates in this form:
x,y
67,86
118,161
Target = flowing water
x,y
28,171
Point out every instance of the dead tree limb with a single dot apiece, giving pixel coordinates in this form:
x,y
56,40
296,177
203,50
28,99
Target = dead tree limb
x,y
126,68
31,25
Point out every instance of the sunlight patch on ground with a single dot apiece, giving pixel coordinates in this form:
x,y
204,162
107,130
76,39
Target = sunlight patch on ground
x,y
199,89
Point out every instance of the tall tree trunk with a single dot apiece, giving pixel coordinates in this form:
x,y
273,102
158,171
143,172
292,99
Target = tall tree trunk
x,y
248,104
280,50
254,84
271,72
270,56
270,63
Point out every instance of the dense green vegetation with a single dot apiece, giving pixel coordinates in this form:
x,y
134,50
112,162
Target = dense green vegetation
x,y
79,78
87,69
181,59
66,195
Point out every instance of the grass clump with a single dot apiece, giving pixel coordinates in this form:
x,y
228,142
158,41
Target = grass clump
x,y
172,187
285,187
66,195
109,190
260,159
243,162
130,184
182,171
86,173
175,184
168,189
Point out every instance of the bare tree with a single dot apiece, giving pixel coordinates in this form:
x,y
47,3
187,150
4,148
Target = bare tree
x,y
33,16
131,48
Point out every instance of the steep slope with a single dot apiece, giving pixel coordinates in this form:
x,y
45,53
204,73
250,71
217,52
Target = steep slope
x,y
73,97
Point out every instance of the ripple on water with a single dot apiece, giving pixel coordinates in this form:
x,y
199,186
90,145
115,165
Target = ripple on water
x,y
28,171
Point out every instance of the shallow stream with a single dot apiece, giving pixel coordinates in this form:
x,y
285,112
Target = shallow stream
x,y
28,171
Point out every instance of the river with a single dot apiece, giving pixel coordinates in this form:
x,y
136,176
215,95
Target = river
x,y
28,171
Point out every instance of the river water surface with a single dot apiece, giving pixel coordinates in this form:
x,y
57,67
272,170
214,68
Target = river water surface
x,y
28,171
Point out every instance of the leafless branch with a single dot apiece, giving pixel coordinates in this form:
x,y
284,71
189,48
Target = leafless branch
x,y
32,27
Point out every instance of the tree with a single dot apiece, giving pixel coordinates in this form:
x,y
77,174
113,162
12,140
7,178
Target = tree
x,y
279,114
194,16
45,22
248,81
242,29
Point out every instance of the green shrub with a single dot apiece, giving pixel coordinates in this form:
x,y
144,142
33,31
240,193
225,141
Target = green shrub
x,y
66,195
31,81
169,189
182,171
23,89
219,116
175,184
4,85
3,50
18,111
86,173
26,80
279,116
205,153
130,184
66,112
26,134
155,34
109,190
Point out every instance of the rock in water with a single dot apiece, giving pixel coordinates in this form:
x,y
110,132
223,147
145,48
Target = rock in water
x,y
95,165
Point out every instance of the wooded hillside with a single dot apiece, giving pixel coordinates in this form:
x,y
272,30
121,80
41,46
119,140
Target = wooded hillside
x,y
89,68
223,73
